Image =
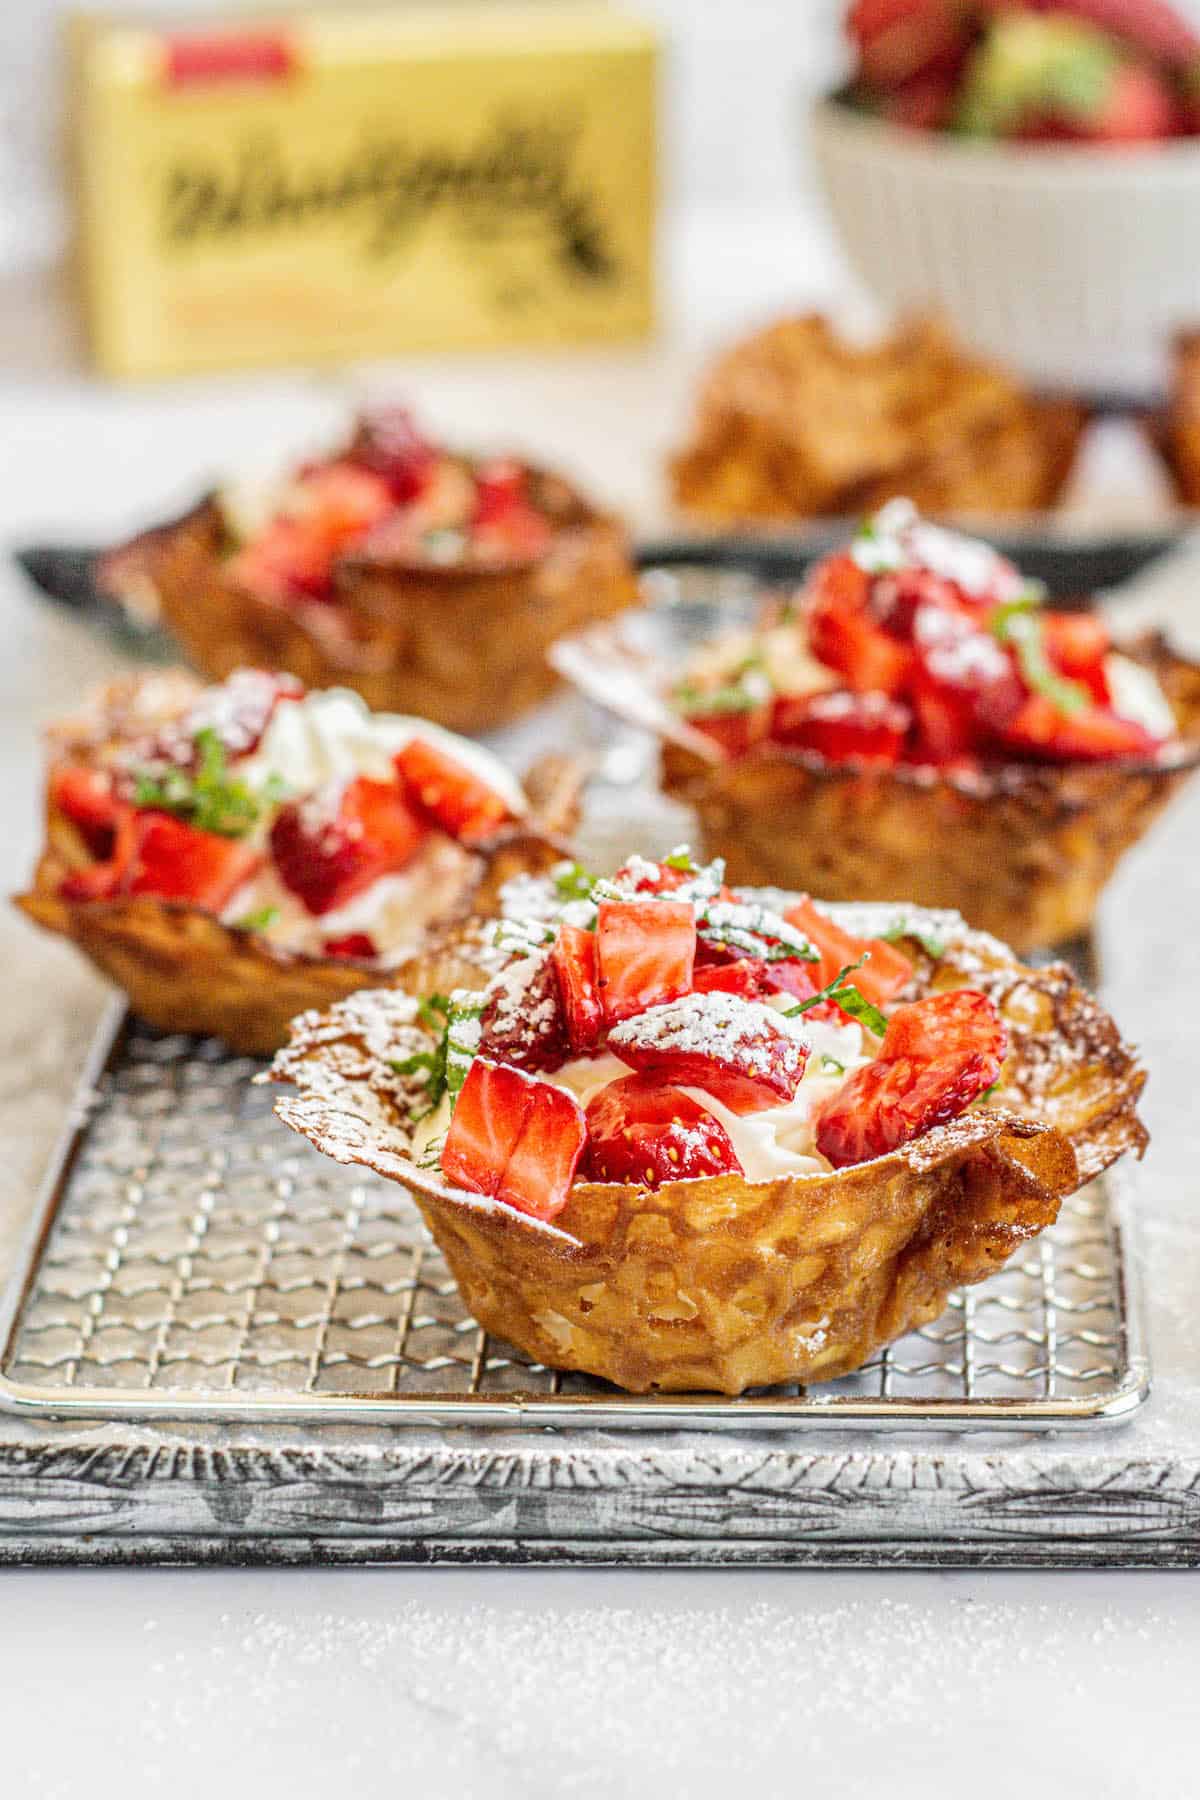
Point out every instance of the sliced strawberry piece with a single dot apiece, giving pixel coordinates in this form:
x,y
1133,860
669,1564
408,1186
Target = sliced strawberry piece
x,y
177,862
886,972
538,1174
340,502
736,732
745,1055
505,523
645,954
642,1131
1094,734
964,685
844,636
85,796
489,1114
523,1022
1076,645
745,976
897,596
102,880
946,1027
358,945
329,847
388,443
842,727
888,1103
236,713
575,965
287,562
451,793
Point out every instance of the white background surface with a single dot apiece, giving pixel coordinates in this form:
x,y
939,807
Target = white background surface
x,y
495,1683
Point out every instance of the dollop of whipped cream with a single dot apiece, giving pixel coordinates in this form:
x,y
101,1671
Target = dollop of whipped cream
x,y
898,538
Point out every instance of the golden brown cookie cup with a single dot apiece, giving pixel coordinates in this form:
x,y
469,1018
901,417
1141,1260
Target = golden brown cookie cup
x,y
462,645
724,1284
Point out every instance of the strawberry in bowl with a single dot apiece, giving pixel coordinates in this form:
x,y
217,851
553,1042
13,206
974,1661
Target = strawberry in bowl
x,y
916,719
233,854
427,580
678,1183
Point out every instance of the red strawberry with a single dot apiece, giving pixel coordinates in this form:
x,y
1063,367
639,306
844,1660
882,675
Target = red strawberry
x,y
843,635
645,953
340,502
641,1131
237,712
85,797
841,726
327,848
897,596
574,958
1140,108
102,880
287,562
538,1175
745,976
505,522
886,1104
964,685
524,1022
357,945
514,1138
177,862
1093,734
957,1024
451,793
488,1116
886,972
925,103
389,444
745,1055
937,1056
1076,645
898,39
1152,26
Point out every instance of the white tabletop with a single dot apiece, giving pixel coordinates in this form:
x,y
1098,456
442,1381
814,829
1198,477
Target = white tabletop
x,y
494,1682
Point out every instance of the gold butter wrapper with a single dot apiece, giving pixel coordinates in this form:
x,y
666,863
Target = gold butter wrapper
x,y
325,186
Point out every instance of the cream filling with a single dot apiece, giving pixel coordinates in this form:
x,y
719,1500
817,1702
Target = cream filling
x,y
332,735
394,911
1136,696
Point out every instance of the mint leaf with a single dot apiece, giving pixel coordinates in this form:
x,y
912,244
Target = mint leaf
x,y
932,946
573,882
1022,631
681,860
848,997
262,920
210,798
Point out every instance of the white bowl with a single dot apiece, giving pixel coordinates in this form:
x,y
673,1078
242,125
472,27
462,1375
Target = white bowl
x,y
1075,266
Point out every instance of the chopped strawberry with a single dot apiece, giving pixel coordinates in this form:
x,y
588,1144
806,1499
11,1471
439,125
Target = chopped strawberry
x,y
844,636
1094,734
451,793
102,880
938,1055
574,958
489,1113
745,1055
327,848
841,726
900,39
746,976
287,562
959,1023
236,713
888,1103
736,732
177,862
964,685
505,522
358,945
85,796
524,1021
389,444
642,1131
1076,645
886,972
340,502
645,953
538,1174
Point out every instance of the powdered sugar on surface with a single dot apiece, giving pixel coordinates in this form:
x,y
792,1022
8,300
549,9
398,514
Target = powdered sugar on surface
x,y
719,1025
898,538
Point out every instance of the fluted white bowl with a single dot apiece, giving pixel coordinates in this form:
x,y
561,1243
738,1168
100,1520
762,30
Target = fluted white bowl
x,y
1073,265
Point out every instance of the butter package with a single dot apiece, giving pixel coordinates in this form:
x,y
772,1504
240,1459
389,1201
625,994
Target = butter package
x,y
325,185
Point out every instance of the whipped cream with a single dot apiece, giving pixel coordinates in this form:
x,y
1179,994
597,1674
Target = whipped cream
x,y
331,736
1135,694
898,538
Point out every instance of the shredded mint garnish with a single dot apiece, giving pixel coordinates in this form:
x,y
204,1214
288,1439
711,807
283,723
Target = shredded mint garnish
x,y
444,1066
831,1066
573,882
681,860
262,920
748,686
1020,627
848,997
210,798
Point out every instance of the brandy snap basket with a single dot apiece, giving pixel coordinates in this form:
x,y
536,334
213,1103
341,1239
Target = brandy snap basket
x,y
1023,850
724,1284
464,646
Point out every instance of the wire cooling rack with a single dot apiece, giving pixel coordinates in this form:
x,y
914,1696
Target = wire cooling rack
x,y
193,1259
